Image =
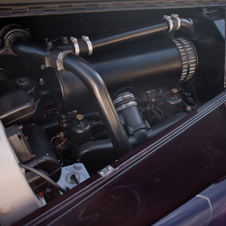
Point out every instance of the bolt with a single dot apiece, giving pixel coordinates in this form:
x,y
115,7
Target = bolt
x,y
64,125
153,100
41,81
175,15
73,39
188,109
61,135
49,45
86,38
65,40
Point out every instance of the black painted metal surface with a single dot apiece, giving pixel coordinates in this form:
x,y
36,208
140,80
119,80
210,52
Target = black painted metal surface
x,y
142,66
92,81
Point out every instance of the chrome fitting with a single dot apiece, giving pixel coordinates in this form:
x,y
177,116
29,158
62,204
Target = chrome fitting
x,y
47,62
126,105
89,44
170,22
176,16
123,97
76,45
60,60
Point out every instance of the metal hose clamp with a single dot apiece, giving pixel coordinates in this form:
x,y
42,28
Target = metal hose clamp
x,y
126,105
170,22
89,44
123,97
60,60
176,16
76,45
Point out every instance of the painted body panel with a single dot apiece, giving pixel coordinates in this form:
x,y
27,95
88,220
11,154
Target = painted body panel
x,y
152,180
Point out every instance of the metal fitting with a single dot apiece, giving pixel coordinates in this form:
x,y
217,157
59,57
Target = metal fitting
x,y
76,45
123,97
176,16
60,60
41,81
89,44
126,105
65,40
170,22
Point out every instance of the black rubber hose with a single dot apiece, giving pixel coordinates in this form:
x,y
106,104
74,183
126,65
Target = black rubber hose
x,y
43,176
102,99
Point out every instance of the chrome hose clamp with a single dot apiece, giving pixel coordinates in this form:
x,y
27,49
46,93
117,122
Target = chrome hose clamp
x,y
89,44
60,60
176,16
123,97
76,45
170,22
126,105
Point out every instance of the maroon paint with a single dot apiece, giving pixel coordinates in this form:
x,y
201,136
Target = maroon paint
x,y
159,183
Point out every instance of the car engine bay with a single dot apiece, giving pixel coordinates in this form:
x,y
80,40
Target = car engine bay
x,y
79,91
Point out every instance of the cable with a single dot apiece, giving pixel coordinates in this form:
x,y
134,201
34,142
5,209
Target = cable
x,y
43,176
74,178
59,145
53,139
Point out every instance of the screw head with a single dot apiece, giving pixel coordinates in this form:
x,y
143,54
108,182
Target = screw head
x,y
41,81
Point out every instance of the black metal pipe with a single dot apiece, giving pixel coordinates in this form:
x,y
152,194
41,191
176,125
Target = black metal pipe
x,y
187,27
93,83
142,66
30,51
102,99
157,27
115,38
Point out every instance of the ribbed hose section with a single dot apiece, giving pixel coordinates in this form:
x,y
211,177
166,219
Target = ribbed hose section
x,y
188,56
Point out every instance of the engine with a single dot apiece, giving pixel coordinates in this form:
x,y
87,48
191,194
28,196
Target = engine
x,y
71,106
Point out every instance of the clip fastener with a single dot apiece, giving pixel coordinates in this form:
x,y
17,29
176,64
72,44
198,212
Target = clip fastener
x,y
60,59
89,44
170,22
76,45
176,16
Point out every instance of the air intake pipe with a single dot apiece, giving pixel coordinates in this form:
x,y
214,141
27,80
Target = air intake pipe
x,y
85,46
142,66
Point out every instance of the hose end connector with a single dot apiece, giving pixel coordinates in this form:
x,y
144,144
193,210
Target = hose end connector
x,y
11,33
